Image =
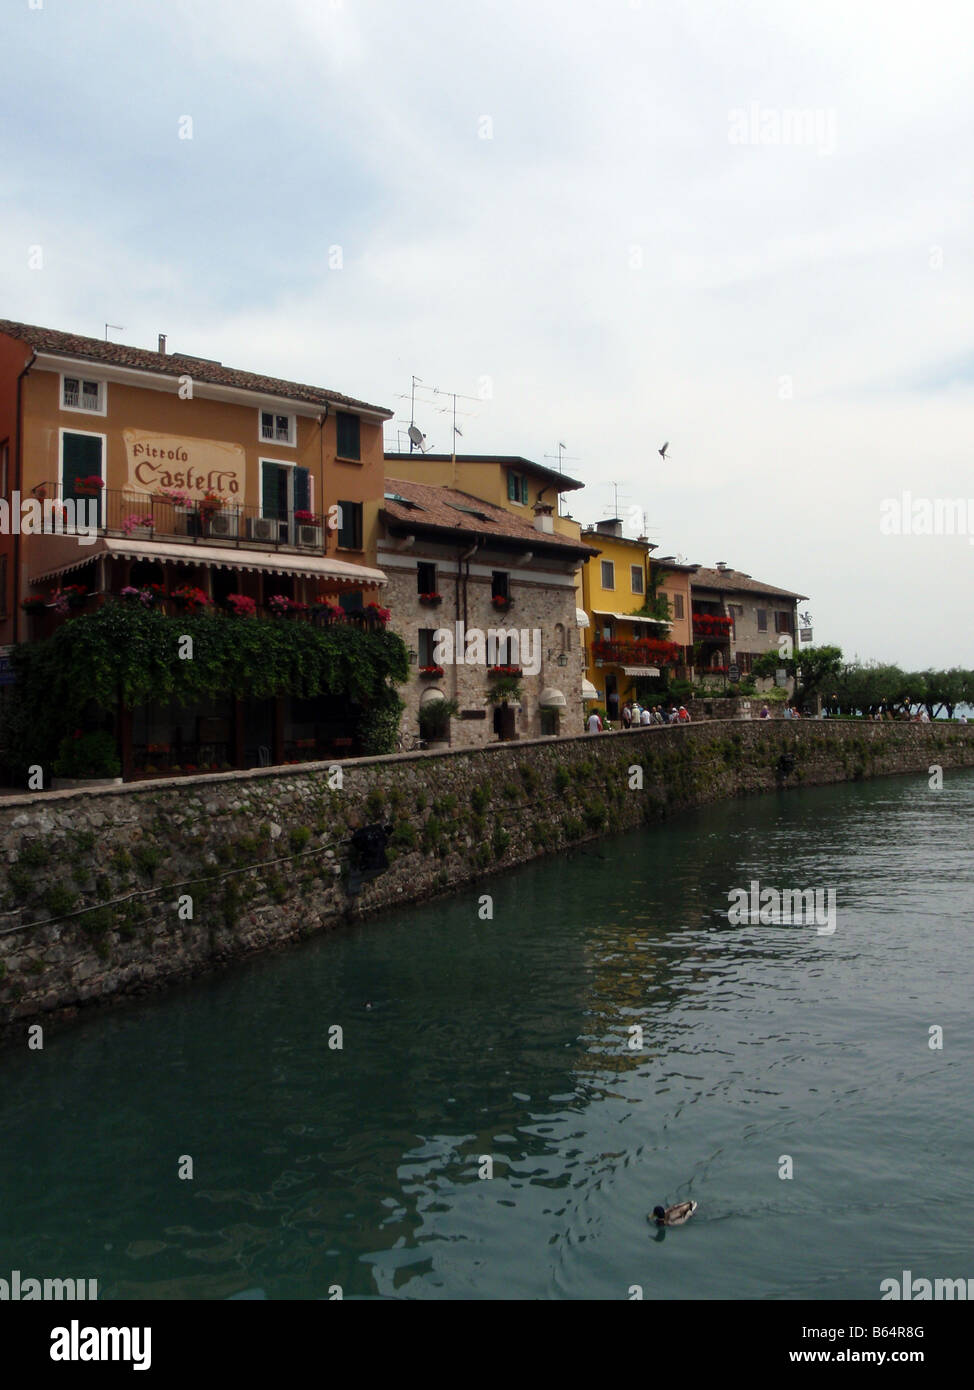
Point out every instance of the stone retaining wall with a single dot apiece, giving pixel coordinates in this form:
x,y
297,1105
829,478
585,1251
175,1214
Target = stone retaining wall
x,y
112,892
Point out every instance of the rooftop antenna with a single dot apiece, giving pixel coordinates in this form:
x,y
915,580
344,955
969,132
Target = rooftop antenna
x,y
615,492
118,327
455,396
416,435
572,458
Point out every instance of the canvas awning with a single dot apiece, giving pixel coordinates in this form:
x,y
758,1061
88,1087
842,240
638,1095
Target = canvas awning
x,y
589,691
639,670
581,618
632,618
552,699
215,557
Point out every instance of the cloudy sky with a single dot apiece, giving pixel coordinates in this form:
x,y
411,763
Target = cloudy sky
x,y
744,228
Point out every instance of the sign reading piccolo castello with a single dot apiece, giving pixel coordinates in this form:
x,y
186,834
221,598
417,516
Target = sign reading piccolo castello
x,y
193,465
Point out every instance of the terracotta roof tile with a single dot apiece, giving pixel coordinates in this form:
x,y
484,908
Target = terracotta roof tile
x,y
173,364
444,508
735,581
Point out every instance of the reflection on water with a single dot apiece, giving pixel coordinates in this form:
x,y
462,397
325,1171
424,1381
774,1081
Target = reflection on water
x,y
511,1041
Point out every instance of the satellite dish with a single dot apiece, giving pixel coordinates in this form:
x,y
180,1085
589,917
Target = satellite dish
x,y
416,436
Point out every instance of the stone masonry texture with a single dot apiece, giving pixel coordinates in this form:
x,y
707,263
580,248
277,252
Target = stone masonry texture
x,y
109,893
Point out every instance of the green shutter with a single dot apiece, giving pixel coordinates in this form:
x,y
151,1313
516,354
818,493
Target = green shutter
x,y
347,435
270,491
81,456
302,490
511,487
524,491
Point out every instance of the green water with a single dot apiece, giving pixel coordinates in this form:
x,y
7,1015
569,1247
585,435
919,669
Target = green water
x,y
315,1167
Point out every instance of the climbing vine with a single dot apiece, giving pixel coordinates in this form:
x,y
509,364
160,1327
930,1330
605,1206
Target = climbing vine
x,y
132,654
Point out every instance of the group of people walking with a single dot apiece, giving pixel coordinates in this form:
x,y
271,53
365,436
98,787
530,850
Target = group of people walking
x,y
633,714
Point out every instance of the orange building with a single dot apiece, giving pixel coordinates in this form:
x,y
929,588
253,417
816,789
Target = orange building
x,y
164,474
297,472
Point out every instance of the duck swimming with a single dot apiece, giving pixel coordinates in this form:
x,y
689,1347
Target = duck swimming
x,y
673,1216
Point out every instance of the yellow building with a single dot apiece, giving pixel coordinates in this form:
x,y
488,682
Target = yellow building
x,y
625,645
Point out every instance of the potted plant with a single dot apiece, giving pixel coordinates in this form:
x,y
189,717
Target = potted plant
x,y
501,602
431,673
209,504
242,605
431,600
138,524
434,719
189,598
505,690
90,486
305,518
87,760
33,603
69,596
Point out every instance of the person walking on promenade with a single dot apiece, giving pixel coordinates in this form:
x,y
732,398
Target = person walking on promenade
x,y
594,723
627,715
646,716
765,713
683,715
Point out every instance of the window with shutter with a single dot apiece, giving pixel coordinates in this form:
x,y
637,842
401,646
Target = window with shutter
x,y
350,530
302,490
524,491
512,487
273,491
349,444
81,457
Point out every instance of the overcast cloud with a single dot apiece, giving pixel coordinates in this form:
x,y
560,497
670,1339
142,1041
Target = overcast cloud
x,y
623,261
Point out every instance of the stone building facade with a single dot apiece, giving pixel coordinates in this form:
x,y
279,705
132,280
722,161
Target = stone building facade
x,y
472,589
759,616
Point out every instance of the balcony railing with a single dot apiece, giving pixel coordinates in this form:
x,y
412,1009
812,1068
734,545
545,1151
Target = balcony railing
x,y
641,653
148,516
713,626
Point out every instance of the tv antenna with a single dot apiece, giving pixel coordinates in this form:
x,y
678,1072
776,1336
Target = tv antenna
x,y
561,456
118,328
615,513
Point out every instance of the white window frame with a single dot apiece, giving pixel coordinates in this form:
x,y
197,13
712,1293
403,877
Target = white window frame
x,y
633,571
612,566
285,463
83,409
95,434
292,427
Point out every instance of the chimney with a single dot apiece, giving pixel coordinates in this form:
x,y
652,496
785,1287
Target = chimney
x,y
612,527
722,565
162,342
543,519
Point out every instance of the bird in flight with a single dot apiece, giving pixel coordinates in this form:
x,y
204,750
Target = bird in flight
x,y
662,452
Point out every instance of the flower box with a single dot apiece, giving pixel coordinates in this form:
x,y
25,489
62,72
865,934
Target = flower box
x,y
90,486
501,603
431,600
431,672
504,671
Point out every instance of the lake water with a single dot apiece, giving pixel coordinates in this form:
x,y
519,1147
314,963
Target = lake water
x,y
315,1167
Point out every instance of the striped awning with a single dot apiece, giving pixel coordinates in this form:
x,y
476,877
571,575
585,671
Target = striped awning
x,y
217,557
639,670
